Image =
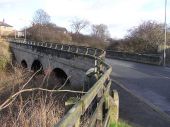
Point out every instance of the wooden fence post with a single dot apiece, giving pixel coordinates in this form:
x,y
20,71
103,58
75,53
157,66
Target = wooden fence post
x,y
77,123
114,108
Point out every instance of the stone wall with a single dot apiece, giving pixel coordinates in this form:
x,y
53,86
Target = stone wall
x,y
141,58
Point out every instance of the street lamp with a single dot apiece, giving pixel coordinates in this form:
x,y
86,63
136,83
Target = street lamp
x,y
165,25
25,29
25,34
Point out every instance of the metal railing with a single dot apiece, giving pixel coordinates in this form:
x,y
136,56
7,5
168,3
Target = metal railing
x,y
107,110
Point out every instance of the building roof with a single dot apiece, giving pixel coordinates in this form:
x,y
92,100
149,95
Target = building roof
x,y
62,29
4,24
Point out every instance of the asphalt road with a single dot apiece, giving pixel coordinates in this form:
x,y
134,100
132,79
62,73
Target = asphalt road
x,y
151,83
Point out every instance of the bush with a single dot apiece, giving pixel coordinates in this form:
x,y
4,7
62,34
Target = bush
x,y
86,40
133,45
42,109
48,33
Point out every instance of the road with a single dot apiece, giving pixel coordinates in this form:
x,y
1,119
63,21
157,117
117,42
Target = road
x,y
151,83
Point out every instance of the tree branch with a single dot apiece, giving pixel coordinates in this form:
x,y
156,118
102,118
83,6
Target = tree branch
x,y
9,100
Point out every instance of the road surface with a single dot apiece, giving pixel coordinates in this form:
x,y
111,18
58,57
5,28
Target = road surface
x,y
151,83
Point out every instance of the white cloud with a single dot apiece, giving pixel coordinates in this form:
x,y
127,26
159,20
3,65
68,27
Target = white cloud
x,y
119,15
122,13
9,1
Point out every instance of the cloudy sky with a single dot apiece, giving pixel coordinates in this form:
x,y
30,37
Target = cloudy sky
x,y
118,15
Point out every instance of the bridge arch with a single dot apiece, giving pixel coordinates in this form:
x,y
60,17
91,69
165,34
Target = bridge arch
x,y
57,78
36,65
24,64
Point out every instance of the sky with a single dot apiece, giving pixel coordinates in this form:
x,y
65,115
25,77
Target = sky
x,y
118,15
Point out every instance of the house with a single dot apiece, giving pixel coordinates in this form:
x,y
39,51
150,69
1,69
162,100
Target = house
x,y
20,33
5,29
61,29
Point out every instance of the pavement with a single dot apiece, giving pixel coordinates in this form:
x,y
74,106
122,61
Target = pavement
x,y
149,84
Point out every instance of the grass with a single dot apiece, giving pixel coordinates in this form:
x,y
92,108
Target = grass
x,y
33,109
122,123
5,55
38,110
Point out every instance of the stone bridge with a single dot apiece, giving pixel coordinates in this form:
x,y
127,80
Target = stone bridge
x,y
86,66
63,60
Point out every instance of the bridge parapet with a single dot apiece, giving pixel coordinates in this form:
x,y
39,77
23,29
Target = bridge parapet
x,y
106,111
64,47
154,59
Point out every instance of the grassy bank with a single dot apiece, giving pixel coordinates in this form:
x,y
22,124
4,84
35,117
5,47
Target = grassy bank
x,y
28,109
5,55
34,108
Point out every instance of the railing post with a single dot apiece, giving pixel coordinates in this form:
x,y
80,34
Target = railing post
x,y
95,52
61,47
51,45
86,51
77,124
55,46
99,117
95,69
114,108
100,110
68,48
77,50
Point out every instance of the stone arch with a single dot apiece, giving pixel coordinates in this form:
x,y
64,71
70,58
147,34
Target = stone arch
x,y
36,65
24,64
57,78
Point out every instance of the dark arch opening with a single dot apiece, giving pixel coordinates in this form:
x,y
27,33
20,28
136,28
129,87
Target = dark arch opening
x,y
37,66
57,78
59,73
24,64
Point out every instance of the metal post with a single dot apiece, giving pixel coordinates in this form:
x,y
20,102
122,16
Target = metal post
x,y
15,34
25,34
95,63
165,25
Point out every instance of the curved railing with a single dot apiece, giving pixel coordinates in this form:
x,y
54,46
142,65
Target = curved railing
x,y
106,111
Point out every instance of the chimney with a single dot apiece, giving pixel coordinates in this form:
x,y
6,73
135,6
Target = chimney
x,y
3,21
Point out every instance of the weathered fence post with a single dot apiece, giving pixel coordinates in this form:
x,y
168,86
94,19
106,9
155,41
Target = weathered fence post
x,y
77,123
114,108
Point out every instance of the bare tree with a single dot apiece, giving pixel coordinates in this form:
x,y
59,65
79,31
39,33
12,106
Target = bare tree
x,y
78,24
49,32
149,31
152,35
41,17
100,31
